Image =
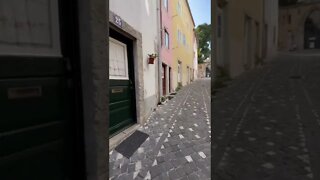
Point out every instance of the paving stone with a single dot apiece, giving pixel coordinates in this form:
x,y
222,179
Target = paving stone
x,y
173,175
169,152
155,171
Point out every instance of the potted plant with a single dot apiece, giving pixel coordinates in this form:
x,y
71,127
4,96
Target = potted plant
x,y
152,58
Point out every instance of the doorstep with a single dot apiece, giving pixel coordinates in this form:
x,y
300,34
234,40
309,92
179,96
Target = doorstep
x,y
117,139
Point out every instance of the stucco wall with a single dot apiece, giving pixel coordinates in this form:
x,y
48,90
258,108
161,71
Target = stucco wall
x,y
232,44
142,16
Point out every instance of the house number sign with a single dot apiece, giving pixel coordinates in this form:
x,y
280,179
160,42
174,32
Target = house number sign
x,y
118,21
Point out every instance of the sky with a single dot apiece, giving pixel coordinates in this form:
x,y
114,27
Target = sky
x,y
201,11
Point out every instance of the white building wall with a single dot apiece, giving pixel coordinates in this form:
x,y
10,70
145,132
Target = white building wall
x,y
142,16
271,19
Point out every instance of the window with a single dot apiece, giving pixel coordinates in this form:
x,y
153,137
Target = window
x,y
179,8
118,65
166,40
179,36
184,40
166,4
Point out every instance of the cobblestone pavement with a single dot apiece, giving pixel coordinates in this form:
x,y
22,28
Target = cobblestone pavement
x,y
179,140
266,122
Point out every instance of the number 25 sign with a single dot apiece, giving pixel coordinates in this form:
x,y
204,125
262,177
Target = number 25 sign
x,y
118,21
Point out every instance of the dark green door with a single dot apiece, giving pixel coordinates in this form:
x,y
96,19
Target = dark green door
x,y
35,93
122,94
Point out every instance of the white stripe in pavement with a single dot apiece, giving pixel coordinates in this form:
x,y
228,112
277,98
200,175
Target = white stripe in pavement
x,y
154,163
157,139
196,125
190,129
181,127
181,137
197,136
310,175
140,150
135,174
307,168
202,154
119,156
189,159
138,166
148,176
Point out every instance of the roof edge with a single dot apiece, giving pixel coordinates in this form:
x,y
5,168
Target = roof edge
x,y
194,24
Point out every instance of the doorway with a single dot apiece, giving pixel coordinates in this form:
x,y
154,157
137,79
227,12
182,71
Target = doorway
x,y
121,82
170,80
312,31
164,79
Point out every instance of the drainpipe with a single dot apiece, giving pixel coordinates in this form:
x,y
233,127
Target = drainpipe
x,y
159,28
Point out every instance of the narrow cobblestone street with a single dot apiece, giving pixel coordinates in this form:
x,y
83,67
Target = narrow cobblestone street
x,y
266,122
179,140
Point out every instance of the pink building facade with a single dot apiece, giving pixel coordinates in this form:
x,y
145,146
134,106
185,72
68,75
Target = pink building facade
x,y
166,46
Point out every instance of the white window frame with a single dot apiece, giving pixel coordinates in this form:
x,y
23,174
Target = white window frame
x,y
165,3
126,77
166,39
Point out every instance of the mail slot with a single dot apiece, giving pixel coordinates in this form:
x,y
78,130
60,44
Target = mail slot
x,y
118,90
24,92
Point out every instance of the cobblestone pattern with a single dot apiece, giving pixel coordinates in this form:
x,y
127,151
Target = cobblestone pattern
x,y
179,140
267,124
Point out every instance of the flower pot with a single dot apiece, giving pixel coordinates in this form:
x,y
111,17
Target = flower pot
x,y
151,60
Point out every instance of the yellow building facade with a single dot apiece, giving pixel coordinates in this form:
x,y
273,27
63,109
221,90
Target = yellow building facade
x,y
182,43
